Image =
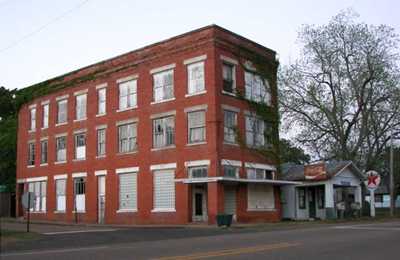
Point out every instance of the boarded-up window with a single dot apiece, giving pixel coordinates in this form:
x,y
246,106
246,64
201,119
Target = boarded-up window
x,y
128,191
164,190
260,197
60,194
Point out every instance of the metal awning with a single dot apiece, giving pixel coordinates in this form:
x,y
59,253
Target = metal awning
x,y
239,180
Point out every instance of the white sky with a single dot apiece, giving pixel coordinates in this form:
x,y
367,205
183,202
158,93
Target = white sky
x,y
101,29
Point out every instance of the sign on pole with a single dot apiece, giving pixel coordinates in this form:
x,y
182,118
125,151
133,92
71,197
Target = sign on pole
x,y
372,182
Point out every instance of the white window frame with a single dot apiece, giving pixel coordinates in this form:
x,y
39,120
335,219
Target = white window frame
x,y
32,116
80,107
59,150
101,101
163,91
39,188
192,169
101,143
200,125
233,72
62,111
258,174
159,191
196,78
127,95
46,111
256,88
81,195
80,148
230,130
255,131
235,168
61,197
31,153
130,140
162,136
42,161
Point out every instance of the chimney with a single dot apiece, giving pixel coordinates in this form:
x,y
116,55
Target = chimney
x,y
315,172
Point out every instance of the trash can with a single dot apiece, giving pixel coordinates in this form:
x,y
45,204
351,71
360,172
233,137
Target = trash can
x,y
224,220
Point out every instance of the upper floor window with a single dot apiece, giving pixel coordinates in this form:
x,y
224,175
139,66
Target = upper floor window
x,y
128,94
196,78
62,111
43,151
258,132
163,88
198,172
228,76
163,132
101,142
101,99
45,123
80,146
257,89
230,125
231,171
61,149
32,126
127,137
31,153
259,174
197,126
80,108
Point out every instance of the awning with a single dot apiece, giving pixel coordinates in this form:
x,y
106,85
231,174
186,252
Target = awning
x,y
239,180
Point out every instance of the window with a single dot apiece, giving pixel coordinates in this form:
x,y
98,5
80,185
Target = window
x,y
101,99
43,151
163,132
256,88
163,86
31,154
80,108
79,194
321,197
230,124
62,111
39,200
228,76
197,126
195,78
164,190
198,172
128,191
259,174
60,194
45,116
32,112
260,197
257,131
101,142
80,146
61,149
127,94
127,138
231,171
302,198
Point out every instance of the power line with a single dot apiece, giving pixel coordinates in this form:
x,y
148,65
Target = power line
x,y
41,28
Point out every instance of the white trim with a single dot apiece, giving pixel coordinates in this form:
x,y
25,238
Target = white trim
x,y
100,173
259,166
250,113
32,106
60,124
126,210
197,163
60,162
61,135
44,138
60,177
229,93
45,102
101,127
163,68
164,114
33,179
196,93
127,78
162,101
164,166
243,180
43,164
79,174
23,180
229,60
32,141
163,148
81,92
100,86
230,108
63,97
231,163
128,121
195,108
125,109
195,59
127,170
80,131
30,166
162,210
79,120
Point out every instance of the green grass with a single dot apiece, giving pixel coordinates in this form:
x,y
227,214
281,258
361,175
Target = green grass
x,y
8,236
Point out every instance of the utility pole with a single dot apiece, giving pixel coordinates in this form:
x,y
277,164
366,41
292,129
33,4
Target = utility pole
x,y
392,198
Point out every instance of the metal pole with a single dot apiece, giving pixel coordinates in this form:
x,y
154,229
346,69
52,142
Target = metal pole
x,y
392,198
29,212
372,202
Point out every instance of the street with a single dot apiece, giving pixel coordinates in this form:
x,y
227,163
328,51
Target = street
x,y
326,241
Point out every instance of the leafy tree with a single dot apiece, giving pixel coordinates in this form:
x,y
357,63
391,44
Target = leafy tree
x,y
344,91
292,154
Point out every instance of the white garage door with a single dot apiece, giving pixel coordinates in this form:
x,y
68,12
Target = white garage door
x,y
230,200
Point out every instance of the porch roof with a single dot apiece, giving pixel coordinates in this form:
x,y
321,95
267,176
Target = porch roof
x,y
242,180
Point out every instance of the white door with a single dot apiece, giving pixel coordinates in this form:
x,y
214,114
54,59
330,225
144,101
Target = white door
x,y
230,200
101,197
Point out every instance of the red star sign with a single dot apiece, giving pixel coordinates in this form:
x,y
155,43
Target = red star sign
x,y
373,180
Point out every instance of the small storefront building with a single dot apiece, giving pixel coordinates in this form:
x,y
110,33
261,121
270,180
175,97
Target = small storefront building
x,y
329,190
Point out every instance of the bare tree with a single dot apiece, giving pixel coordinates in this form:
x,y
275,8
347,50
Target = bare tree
x,y
344,91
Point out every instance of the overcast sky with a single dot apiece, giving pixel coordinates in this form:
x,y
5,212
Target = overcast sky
x,y
41,39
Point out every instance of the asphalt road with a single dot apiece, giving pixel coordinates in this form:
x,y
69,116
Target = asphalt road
x,y
347,241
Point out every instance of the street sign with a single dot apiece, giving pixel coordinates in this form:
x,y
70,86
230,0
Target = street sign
x,y
373,180
27,202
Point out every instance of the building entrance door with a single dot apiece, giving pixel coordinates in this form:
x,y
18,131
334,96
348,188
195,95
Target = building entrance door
x,y
199,203
311,202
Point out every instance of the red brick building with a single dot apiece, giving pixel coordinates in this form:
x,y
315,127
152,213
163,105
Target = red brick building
x,y
150,136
